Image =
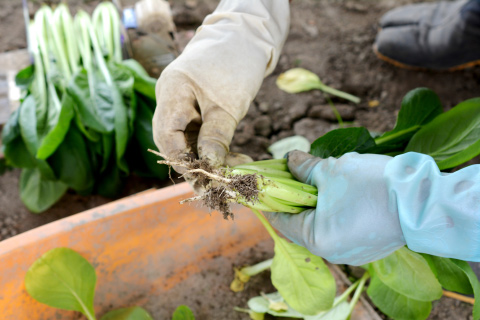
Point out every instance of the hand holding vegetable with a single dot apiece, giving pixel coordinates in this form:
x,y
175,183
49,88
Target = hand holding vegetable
x,y
371,205
203,94
352,223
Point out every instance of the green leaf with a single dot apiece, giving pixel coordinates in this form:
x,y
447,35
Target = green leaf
x,y
107,149
298,80
39,94
17,154
340,141
132,313
453,137
419,107
263,304
124,81
450,276
55,137
37,193
54,107
121,131
409,274
27,120
256,316
45,169
29,135
142,161
122,93
339,312
94,101
183,313
24,77
309,287
280,148
396,305
110,182
143,82
474,282
63,279
71,162
89,133
11,129
4,166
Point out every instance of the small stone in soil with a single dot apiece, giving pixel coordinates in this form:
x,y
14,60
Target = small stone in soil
x,y
263,107
263,126
312,128
217,199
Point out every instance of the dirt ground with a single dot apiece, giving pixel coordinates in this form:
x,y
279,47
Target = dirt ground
x,y
332,38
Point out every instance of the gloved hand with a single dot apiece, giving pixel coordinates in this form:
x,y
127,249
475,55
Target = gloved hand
x,y
439,35
370,205
207,90
352,223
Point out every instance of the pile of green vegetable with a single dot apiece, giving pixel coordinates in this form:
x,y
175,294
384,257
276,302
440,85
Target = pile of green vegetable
x,y
85,120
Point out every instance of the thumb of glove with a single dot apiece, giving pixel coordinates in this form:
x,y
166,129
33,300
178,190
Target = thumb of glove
x,y
301,165
215,136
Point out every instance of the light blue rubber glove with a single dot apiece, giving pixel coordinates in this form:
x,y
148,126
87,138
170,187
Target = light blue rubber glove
x,y
371,205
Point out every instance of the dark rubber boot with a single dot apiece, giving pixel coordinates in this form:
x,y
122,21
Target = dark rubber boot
x,y
436,36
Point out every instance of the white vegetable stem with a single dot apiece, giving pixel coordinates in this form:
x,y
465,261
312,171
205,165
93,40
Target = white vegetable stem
x,y
257,268
106,22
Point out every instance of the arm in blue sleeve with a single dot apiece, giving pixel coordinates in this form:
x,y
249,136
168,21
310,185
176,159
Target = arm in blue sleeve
x,y
439,212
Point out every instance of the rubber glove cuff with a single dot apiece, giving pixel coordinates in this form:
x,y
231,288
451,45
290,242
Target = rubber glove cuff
x,y
439,212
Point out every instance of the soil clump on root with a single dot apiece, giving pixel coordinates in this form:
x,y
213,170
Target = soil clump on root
x,y
220,191
202,179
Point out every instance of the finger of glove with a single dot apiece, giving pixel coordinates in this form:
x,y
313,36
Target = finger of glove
x,y
215,135
299,228
235,159
301,165
175,111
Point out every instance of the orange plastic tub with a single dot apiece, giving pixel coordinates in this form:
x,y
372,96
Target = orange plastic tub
x,y
144,248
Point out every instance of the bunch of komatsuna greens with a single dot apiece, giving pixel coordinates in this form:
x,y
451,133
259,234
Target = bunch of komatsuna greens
x,y
402,285
85,118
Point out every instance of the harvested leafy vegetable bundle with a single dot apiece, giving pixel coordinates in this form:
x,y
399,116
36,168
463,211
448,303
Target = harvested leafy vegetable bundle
x,y
85,121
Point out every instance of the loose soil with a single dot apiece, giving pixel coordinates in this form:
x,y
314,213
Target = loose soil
x,y
332,38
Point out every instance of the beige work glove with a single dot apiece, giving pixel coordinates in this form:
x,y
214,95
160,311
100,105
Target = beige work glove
x,y
206,91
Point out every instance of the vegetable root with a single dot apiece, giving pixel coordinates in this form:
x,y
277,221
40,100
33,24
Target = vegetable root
x,y
264,185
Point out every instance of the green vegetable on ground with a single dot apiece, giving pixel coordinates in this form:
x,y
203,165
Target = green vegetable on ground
x,y
183,313
63,279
